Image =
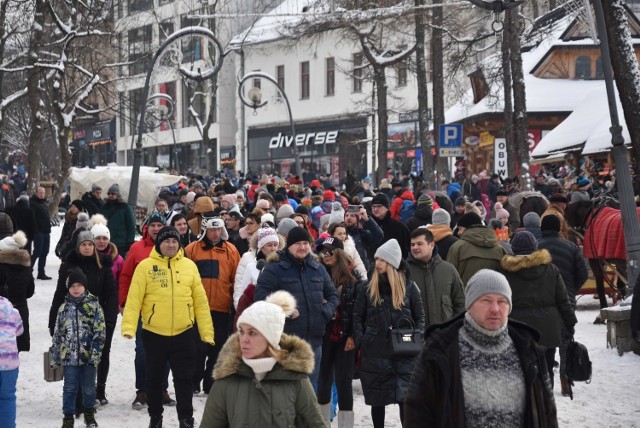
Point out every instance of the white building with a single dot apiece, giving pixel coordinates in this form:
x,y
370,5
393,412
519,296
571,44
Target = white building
x,y
331,99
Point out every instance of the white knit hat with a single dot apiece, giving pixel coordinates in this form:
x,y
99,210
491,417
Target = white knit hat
x,y
390,252
284,212
99,227
268,316
486,281
267,218
210,223
337,214
15,242
266,235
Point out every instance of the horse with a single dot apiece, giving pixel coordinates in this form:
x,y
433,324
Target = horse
x,y
529,201
600,222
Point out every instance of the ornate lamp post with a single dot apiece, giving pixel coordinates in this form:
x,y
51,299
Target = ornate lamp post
x,y
255,102
187,74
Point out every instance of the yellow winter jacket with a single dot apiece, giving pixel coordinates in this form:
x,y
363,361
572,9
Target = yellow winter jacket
x,y
170,295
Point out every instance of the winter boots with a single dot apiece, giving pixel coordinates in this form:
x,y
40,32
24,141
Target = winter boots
x,y
90,417
325,411
345,419
167,400
566,384
140,402
67,421
101,397
155,422
187,423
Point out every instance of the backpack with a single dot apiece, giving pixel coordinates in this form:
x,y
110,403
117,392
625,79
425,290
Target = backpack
x,y
407,210
578,362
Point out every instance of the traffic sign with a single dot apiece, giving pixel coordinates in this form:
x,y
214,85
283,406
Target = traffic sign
x,y
451,140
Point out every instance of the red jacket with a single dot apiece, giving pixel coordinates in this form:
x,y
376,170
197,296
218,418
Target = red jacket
x,y
138,252
396,205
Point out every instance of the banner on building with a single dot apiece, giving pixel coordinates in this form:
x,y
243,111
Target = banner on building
x,y
500,161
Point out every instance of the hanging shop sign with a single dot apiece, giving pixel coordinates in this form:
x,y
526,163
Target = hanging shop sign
x,y
500,160
486,139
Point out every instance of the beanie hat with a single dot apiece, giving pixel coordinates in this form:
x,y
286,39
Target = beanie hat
x,y
82,222
155,217
95,187
230,199
425,200
197,185
285,226
115,189
100,229
78,204
460,201
76,275
583,181
6,225
329,195
24,198
268,316
441,216
284,211
165,233
550,222
500,211
337,214
302,210
390,252
495,223
263,204
469,219
15,242
380,199
268,218
523,243
384,184
84,235
190,197
324,221
486,281
211,223
531,219
265,236
331,243
297,234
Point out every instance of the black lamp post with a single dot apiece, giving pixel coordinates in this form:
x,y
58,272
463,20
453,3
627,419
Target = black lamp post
x,y
157,114
197,76
255,102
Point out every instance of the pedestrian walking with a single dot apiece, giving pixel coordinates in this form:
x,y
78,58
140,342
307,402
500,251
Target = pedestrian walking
x,y
11,327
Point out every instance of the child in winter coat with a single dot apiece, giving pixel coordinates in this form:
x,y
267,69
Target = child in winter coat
x,y
78,339
10,327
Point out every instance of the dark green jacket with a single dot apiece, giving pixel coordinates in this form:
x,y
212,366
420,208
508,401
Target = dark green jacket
x,y
121,223
440,286
476,249
284,398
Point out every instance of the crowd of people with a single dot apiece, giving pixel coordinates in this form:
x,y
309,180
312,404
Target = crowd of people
x,y
272,297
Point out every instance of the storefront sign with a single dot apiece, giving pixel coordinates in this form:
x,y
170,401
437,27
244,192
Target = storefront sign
x,y
486,139
316,138
391,155
500,161
471,140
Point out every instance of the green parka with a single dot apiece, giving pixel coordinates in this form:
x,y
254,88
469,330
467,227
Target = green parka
x,y
440,286
284,398
477,249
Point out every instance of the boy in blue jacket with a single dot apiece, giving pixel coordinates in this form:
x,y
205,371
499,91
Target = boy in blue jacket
x,y
78,340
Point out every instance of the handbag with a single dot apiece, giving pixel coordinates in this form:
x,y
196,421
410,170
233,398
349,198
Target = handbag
x,y
578,362
51,374
405,341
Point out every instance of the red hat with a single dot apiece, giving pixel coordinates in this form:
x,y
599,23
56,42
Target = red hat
x,y
329,195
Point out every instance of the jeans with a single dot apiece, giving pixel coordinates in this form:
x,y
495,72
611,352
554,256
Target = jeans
x,y
179,351
8,380
103,367
338,364
141,370
317,357
40,250
207,355
76,377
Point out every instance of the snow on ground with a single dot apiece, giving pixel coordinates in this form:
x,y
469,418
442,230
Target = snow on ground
x,y
610,400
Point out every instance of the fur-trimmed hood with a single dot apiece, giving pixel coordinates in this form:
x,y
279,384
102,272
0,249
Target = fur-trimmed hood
x,y
15,257
517,263
297,357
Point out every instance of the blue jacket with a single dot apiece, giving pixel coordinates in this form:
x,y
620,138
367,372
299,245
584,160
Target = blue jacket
x,y
310,284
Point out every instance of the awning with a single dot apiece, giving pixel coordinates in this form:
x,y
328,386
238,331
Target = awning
x,y
548,159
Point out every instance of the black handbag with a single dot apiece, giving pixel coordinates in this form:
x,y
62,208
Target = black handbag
x,y
578,363
405,341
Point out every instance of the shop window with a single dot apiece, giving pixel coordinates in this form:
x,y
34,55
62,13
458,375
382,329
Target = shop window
x,y
599,72
192,46
139,49
358,60
305,80
139,5
402,71
583,67
330,76
280,76
166,28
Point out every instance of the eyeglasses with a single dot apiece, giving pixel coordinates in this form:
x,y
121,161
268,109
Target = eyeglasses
x,y
327,253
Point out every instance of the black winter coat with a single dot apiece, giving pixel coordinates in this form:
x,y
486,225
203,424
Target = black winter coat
x,y
393,229
365,236
91,203
444,244
100,283
435,397
421,217
16,284
24,220
41,213
384,378
347,303
568,258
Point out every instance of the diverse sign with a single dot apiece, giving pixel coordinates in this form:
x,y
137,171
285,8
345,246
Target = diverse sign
x,y
500,166
317,138
451,140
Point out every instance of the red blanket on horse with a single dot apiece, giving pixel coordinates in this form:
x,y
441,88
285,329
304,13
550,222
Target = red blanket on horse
x,y
604,238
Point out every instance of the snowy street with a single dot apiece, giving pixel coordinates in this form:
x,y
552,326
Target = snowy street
x,y
610,400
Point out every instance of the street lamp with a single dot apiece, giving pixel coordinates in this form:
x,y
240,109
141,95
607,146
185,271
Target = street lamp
x,y
197,75
253,99
157,114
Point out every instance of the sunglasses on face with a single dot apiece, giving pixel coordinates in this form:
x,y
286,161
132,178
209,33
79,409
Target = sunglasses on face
x,y
327,253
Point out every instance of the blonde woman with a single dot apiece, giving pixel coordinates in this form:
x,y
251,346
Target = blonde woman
x,y
390,300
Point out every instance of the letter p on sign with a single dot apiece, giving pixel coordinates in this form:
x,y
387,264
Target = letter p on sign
x,y
451,135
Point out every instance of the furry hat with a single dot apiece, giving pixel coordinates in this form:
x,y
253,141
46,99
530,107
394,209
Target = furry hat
x,y
268,218
15,242
211,223
268,316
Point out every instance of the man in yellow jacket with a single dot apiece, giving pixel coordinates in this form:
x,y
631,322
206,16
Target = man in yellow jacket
x,y
166,288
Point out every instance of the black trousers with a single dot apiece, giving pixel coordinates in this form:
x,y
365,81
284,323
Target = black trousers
x,y
179,352
339,365
207,355
103,367
550,356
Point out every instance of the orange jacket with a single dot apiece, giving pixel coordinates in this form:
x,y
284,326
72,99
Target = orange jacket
x,y
217,267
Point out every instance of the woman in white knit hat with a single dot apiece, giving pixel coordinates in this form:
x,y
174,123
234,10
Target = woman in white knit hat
x,y
262,375
391,301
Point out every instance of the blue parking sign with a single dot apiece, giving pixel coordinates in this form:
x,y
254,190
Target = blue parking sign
x,y
451,140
